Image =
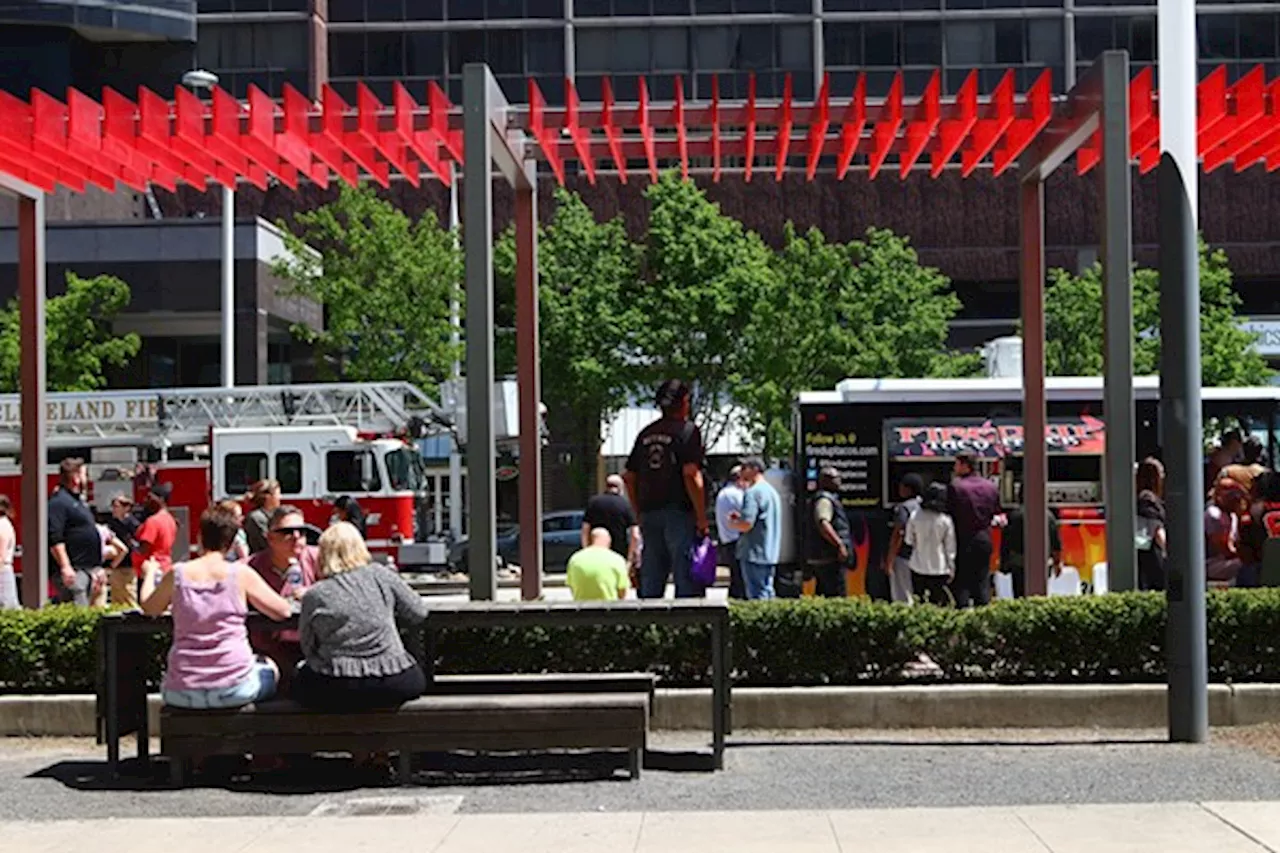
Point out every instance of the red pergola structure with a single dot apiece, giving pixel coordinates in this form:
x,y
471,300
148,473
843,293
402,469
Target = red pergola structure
x,y
1107,118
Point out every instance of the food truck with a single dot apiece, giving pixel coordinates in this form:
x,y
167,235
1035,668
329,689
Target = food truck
x,y
875,431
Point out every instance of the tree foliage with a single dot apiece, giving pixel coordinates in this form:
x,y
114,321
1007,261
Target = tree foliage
x,y
866,308
385,282
705,275
79,340
588,275
1074,330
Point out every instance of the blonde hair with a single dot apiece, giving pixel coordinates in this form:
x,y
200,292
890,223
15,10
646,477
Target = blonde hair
x,y
341,550
259,492
232,506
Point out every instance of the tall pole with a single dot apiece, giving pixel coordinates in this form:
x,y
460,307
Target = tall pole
x,y
228,287
1117,323
1035,459
32,367
1180,412
455,320
482,503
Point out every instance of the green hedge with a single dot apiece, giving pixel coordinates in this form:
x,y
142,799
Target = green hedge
x,y
1115,638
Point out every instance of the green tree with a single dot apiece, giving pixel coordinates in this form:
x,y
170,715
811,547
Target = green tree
x,y
705,274
1073,325
385,283
866,308
79,340
588,274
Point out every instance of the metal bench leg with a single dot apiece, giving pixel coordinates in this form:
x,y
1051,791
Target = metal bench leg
x,y
635,759
177,771
404,766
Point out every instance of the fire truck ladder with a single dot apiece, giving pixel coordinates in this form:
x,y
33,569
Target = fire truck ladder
x,y
184,416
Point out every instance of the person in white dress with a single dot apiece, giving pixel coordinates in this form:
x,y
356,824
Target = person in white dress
x,y
8,545
931,533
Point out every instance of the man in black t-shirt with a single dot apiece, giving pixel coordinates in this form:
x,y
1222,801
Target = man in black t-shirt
x,y
74,540
612,511
664,480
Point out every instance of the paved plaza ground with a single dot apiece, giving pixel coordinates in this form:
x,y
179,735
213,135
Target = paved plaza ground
x,y
51,780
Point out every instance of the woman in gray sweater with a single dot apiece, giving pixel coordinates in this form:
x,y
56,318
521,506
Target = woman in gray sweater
x,y
354,658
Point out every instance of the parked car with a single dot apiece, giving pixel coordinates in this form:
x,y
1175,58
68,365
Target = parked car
x,y
561,537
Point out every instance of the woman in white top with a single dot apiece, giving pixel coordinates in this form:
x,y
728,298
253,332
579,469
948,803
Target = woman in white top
x,y
932,536
8,544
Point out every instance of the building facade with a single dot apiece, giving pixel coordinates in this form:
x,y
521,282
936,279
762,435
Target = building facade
x,y
968,229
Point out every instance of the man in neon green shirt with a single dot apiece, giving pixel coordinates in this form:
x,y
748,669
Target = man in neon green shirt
x,y
597,572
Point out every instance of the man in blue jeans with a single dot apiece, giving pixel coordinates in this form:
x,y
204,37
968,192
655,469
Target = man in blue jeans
x,y
664,481
760,523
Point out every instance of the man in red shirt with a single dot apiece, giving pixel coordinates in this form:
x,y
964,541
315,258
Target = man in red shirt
x,y
158,532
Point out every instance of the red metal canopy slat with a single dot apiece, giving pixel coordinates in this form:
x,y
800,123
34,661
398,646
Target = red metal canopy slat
x,y
611,134
154,141
784,130
818,128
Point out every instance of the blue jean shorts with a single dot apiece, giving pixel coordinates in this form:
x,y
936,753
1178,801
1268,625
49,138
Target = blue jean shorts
x,y
259,684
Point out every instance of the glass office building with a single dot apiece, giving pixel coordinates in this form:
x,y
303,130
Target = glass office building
x,y
271,42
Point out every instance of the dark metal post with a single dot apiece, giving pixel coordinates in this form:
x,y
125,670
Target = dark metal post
x,y
1035,460
1180,412
1117,314
530,381
477,187
35,487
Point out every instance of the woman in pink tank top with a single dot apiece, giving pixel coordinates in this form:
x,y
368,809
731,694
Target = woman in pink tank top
x,y
210,662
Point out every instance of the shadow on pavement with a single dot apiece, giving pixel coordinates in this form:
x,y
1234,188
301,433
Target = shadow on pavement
x,y
305,775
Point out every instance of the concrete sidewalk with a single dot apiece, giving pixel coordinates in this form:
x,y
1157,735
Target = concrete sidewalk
x,y
1170,828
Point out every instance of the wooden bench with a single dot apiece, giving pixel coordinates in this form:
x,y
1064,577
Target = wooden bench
x,y
484,684
484,723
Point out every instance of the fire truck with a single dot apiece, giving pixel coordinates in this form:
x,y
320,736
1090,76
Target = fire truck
x,y
319,441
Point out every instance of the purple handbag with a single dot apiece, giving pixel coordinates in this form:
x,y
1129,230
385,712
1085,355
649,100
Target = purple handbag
x,y
704,563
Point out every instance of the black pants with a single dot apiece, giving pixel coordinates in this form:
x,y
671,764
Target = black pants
x,y
931,589
972,586
727,555
830,578
331,693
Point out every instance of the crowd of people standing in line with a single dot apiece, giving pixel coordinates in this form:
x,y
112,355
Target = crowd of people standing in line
x,y
646,528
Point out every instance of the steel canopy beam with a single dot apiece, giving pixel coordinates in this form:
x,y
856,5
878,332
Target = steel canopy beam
x,y
1074,123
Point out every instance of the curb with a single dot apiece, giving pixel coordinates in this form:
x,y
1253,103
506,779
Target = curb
x,y
1132,706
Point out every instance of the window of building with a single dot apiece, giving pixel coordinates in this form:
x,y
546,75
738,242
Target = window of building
x,y
1257,36
384,54
842,44
671,49
1216,37
418,10
346,54
424,54
242,470
594,50
630,50
1044,41
1008,41
795,47
880,43
922,43
289,472
544,51
465,46
1093,36
351,471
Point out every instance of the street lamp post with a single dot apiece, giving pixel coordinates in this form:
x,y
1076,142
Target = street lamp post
x,y
205,81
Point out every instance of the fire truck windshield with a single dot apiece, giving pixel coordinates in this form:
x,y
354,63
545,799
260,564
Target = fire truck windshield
x,y
405,470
